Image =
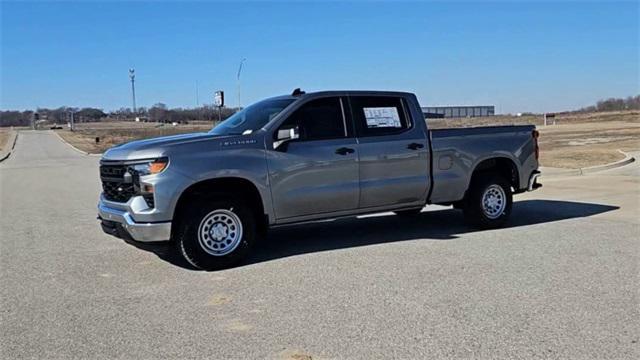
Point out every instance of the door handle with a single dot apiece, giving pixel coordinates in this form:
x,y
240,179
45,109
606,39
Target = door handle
x,y
344,151
415,146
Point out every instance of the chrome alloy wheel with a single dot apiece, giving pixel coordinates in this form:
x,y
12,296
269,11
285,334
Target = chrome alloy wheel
x,y
494,201
220,232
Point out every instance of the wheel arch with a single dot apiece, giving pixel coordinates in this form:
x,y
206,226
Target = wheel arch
x,y
501,165
225,187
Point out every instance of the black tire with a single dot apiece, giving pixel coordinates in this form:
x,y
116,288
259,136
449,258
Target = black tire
x,y
187,235
473,210
408,213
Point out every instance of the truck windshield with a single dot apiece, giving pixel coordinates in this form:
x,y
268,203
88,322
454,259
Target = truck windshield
x,y
251,118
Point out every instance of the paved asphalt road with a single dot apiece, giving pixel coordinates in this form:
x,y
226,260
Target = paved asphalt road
x,y
560,282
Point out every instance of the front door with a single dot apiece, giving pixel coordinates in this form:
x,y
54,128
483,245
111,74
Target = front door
x,y
318,172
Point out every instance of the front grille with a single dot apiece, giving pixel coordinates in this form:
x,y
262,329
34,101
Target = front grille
x,y
112,171
114,186
117,191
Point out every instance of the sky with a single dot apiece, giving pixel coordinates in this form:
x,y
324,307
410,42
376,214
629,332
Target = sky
x,y
518,56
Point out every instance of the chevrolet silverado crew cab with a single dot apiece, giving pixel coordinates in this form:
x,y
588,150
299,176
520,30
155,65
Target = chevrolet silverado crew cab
x,y
305,157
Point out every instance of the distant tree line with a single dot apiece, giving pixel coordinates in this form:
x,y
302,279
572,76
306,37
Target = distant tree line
x,y
16,118
157,113
615,104
160,113
59,115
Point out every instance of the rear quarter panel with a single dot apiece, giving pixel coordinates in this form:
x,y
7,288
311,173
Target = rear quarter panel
x,y
457,152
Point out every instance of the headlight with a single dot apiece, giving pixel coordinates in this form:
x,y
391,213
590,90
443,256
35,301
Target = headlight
x,y
151,167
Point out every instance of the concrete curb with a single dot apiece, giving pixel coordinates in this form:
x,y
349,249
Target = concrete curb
x,y
6,156
557,172
627,160
73,147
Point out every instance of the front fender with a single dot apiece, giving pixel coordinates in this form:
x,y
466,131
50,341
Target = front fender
x,y
242,163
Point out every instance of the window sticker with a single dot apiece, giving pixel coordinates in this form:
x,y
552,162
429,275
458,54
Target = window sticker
x,y
382,117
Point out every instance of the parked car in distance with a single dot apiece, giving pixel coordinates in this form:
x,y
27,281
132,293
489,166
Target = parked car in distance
x,y
305,157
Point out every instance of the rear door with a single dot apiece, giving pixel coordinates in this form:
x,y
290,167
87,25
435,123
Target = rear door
x,y
317,173
392,151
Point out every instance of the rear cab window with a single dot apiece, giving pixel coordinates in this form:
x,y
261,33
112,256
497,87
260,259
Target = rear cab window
x,y
379,115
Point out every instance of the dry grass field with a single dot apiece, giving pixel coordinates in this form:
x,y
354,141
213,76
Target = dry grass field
x,y
7,138
4,137
576,141
114,133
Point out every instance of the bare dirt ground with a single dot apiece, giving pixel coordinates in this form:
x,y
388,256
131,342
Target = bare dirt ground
x,y
576,141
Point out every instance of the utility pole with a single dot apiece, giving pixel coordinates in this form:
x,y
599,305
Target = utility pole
x,y
71,121
132,76
240,70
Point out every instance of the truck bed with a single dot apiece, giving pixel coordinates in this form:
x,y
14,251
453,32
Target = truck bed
x,y
457,152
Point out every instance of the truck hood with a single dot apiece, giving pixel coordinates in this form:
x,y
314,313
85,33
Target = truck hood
x,y
154,147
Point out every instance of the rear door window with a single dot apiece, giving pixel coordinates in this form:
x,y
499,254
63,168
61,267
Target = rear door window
x,y
379,115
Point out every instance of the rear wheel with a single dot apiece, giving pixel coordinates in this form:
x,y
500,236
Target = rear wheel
x,y
488,203
216,234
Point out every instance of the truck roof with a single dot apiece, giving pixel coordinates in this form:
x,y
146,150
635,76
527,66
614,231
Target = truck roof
x,y
343,93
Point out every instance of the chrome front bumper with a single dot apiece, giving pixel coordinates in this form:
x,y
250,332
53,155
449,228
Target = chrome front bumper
x,y
143,232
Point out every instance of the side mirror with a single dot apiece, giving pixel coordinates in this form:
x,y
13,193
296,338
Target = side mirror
x,y
285,135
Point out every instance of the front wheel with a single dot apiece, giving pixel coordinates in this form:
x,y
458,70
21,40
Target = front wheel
x,y
488,203
216,234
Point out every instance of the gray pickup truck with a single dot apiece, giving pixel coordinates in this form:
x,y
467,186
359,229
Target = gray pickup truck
x,y
305,157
